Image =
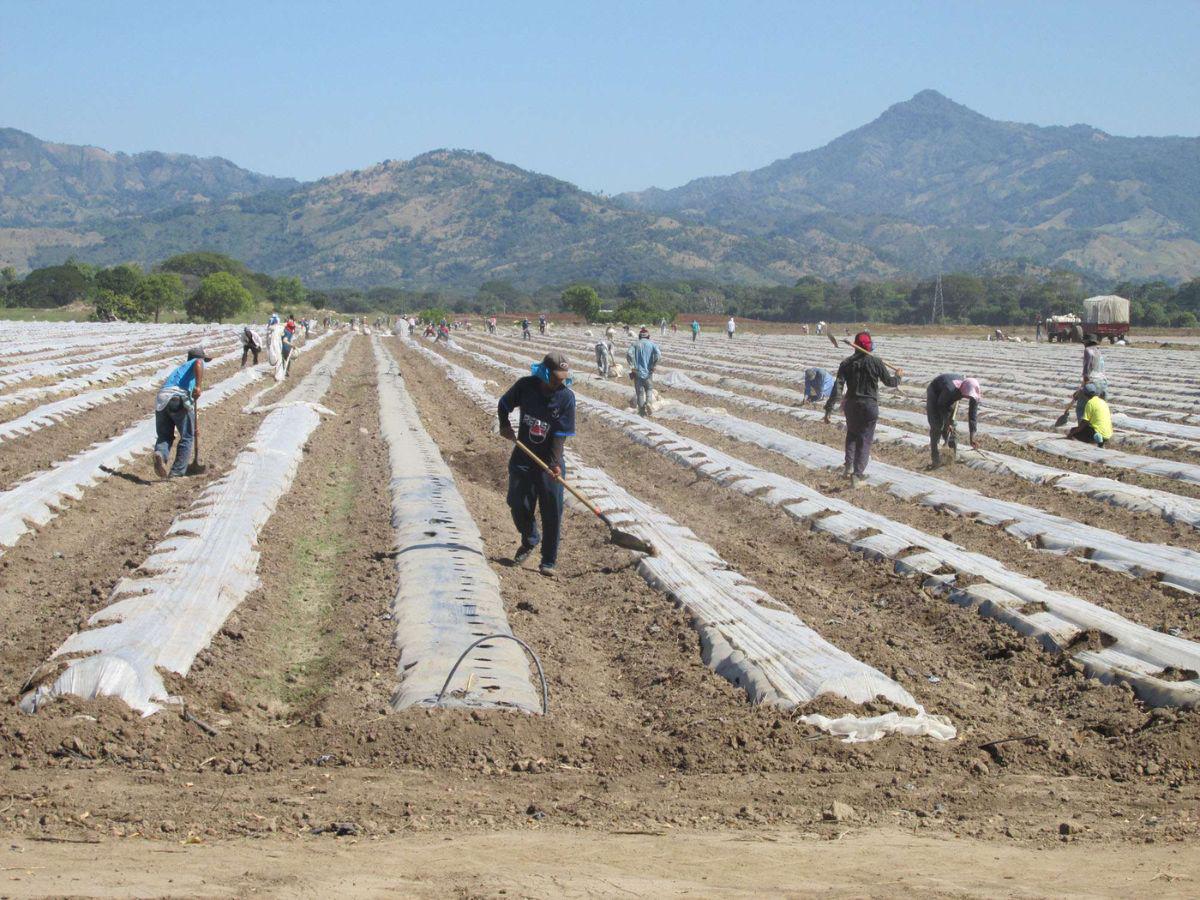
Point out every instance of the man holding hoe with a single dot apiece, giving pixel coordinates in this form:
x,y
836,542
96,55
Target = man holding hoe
x,y
547,419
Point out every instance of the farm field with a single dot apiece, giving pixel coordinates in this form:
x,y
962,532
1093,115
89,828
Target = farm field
x,y
969,681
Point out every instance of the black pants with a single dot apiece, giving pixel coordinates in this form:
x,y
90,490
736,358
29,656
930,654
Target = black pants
x,y
861,416
528,489
246,351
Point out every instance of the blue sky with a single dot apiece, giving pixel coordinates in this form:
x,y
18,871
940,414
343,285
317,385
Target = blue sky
x,y
612,96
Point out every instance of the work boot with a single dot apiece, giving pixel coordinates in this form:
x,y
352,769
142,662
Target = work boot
x,y
547,570
522,553
160,466
855,481
847,471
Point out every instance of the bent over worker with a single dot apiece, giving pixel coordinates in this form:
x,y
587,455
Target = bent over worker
x,y
860,374
547,419
643,356
941,403
818,384
174,408
1096,426
250,345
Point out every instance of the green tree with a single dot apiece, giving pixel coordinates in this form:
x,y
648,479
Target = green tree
x,y
220,296
54,286
286,292
8,278
582,299
123,279
110,306
159,292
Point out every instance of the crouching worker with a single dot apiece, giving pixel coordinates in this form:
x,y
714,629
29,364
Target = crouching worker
x,y
941,403
547,419
818,385
1095,426
174,408
604,358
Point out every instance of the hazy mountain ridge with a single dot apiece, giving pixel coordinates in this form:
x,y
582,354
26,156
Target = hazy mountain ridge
x,y
46,184
928,186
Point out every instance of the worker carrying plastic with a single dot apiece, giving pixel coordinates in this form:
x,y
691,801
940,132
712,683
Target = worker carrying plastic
x,y
860,375
1095,426
941,404
547,419
174,411
818,385
643,355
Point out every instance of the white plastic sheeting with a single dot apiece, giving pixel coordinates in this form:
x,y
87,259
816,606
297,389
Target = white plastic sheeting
x,y
196,576
448,595
54,412
36,499
747,636
1137,655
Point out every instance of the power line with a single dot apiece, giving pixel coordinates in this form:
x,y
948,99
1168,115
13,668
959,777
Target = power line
x,y
939,303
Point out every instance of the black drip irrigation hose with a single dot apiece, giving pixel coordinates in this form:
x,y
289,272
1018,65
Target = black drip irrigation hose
x,y
537,662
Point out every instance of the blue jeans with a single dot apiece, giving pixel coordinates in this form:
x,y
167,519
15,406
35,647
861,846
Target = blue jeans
x,y
167,421
528,488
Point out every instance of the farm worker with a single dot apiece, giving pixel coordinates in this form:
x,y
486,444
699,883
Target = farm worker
x,y
604,357
941,403
730,327
250,344
525,335
820,328
643,356
275,348
695,330
1093,374
818,385
674,327
1096,426
173,411
547,419
285,347
610,333
542,323
662,327
860,374
273,319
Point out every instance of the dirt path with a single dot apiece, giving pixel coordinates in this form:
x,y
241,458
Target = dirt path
x,y
559,862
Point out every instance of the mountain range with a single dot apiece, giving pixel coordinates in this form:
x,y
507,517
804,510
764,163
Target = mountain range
x,y
927,186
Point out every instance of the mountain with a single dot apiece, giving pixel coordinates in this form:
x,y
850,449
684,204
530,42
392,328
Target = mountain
x,y
456,218
46,184
930,184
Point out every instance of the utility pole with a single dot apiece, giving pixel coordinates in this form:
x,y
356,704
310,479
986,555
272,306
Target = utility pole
x,y
939,304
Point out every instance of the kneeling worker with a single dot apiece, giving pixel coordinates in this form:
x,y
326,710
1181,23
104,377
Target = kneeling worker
x,y
173,411
547,419
941,402
1095,427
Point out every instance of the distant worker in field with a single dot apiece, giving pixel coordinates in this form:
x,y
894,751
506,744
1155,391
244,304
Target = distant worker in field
x,y
818,385
941,404
674,327
643,355
491,325
730,327
286,342
860,375
695,330
1093,374
525,333
820,328
1096,426
610,333
273,319
542,323
547,419
251,344
662,327
604,357
174,412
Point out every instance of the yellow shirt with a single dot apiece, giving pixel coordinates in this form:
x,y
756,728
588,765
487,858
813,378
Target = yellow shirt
x,y
1097,414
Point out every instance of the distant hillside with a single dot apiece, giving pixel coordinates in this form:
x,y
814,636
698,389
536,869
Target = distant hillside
x,y
46,184
932,185
456,218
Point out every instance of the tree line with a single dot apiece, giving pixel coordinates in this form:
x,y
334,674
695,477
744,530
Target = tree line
x,y
213,287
